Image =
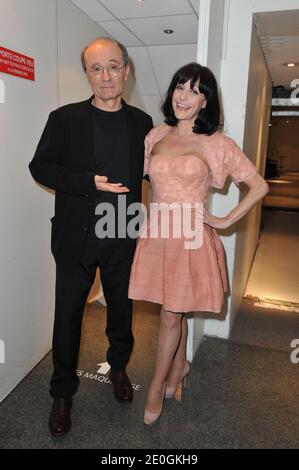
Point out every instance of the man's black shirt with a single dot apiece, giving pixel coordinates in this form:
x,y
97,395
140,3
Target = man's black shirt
x,y
111,146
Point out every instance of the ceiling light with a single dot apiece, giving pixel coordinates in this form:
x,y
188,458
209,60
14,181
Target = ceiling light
x,y
168,31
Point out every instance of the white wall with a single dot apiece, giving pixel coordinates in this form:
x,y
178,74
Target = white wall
x,y
259,101
152,70
27,268
233,83
75,30
26,281
212,15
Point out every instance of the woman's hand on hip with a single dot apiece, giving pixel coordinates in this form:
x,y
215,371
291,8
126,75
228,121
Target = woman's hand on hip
x,y
214,221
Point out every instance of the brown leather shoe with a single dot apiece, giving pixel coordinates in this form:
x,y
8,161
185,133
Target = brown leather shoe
x,y
60,416
123,390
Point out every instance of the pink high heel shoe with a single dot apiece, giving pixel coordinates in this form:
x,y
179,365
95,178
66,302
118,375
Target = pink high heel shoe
x,y
151,416
170,391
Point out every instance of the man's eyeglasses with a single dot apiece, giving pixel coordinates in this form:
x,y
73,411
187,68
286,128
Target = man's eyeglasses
x,y
113,69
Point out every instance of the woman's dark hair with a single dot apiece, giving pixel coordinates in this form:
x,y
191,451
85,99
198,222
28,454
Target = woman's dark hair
x,y
208,119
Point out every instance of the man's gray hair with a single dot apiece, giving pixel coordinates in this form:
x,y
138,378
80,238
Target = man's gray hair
x,y
119,44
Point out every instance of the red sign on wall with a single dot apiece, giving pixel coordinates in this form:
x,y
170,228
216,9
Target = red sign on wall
x,y
13,63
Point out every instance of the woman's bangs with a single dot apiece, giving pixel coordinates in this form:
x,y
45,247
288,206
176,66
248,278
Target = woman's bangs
x,y
184,78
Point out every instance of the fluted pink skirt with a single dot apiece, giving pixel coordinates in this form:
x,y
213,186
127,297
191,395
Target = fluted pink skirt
x,y
180,279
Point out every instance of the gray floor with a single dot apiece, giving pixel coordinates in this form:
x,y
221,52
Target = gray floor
x,y
237,396
265,327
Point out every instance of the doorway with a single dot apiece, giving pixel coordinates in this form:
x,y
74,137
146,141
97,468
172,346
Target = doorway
x,y
269,313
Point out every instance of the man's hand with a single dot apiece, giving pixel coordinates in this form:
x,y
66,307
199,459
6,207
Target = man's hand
x,y
101,183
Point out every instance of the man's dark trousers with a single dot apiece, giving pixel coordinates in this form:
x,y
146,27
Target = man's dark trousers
x,y
114,261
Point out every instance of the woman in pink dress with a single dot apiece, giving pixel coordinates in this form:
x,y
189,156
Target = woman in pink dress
x,y
183,158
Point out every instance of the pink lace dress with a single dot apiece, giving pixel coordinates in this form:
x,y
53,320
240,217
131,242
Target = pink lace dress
x,y
164,271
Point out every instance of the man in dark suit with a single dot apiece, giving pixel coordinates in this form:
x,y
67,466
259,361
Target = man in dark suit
x,y
91,153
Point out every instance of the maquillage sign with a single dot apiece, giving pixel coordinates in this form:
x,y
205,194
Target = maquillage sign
x,y
13,63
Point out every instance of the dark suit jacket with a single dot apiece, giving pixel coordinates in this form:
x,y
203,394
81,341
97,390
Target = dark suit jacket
x,y
64,161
